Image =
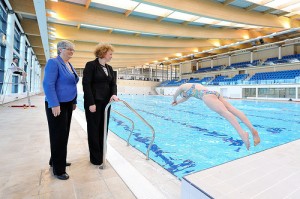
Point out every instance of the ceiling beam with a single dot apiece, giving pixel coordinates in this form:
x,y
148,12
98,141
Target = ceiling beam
x,y
24,6
124,56
39,6
35,41
87,4
30,27
89,47
215,10
227,2
115,20
72,33
251,7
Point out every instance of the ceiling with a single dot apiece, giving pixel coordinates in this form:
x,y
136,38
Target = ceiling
x,y
147,32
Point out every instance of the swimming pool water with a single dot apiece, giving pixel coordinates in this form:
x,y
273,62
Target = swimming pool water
x,y
191,138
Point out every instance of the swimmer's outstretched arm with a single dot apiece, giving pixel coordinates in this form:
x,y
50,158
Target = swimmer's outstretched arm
x,y
178,91
174,103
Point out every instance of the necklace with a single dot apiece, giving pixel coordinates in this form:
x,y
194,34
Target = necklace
x,y
69,67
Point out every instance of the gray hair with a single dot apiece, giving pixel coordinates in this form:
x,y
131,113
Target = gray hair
x,y
64,44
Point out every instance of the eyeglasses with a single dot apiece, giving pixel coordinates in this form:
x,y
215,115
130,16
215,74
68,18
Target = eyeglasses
x,y
70,49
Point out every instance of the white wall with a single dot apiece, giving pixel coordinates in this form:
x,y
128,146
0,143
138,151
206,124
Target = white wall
x,y
130,87
186,67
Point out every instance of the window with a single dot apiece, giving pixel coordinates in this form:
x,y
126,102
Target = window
x,y
277,92
17,38
3,19
249,92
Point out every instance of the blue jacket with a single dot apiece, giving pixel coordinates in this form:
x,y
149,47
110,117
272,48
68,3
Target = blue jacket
x,y
59,83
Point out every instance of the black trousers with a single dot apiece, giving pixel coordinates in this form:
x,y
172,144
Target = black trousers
x,y
59,128
95,130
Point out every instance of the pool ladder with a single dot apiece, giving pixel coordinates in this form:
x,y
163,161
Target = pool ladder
x,y
103,165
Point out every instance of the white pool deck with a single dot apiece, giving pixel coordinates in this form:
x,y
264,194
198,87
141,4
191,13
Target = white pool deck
x,y
25,173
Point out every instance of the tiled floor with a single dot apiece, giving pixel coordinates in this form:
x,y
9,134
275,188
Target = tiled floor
x,y
271,174
24,152
25,173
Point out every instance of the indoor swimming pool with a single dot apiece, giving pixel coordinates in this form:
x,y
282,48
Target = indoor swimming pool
x,y
190,137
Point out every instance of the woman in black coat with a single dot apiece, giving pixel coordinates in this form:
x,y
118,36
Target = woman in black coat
x,y
99,87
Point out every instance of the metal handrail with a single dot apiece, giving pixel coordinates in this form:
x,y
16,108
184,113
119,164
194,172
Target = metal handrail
x,y
132,125
9,75
105,131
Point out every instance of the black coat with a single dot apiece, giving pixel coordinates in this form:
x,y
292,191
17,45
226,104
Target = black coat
x,y
96,84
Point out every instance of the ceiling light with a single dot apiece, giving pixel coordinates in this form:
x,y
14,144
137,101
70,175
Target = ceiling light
x,y
182,16
205,20
94,27
51,28
52,13
153,10
128,31
124,4
275,3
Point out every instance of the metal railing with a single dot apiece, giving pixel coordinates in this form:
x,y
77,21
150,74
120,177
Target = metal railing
x,y
8,81
132,125
106,128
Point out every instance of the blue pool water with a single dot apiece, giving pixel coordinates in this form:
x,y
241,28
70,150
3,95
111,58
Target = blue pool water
x,y
191,138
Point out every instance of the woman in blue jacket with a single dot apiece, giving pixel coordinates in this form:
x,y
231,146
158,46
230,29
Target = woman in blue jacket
x,y
59,84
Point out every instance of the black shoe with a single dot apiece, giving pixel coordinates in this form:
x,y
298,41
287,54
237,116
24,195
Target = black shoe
x,y
94,163
64,176
67,164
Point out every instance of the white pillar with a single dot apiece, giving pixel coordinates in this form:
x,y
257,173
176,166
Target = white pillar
x,y
32,73
251,57
171,71
211,63
180,71
150,75
10,31
36,77
167,72
197,65
9,50
229,60
256,92
21,60
132,72
156,72
29,66
162,72
39,82
279,52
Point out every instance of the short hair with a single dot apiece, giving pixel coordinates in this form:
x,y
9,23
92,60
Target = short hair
x,y
102,49
64,44
14,58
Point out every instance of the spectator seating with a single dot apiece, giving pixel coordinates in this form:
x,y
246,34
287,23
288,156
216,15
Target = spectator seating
x,y
217,80
209,69
283,60
204,80
243,64
287,76
173,82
